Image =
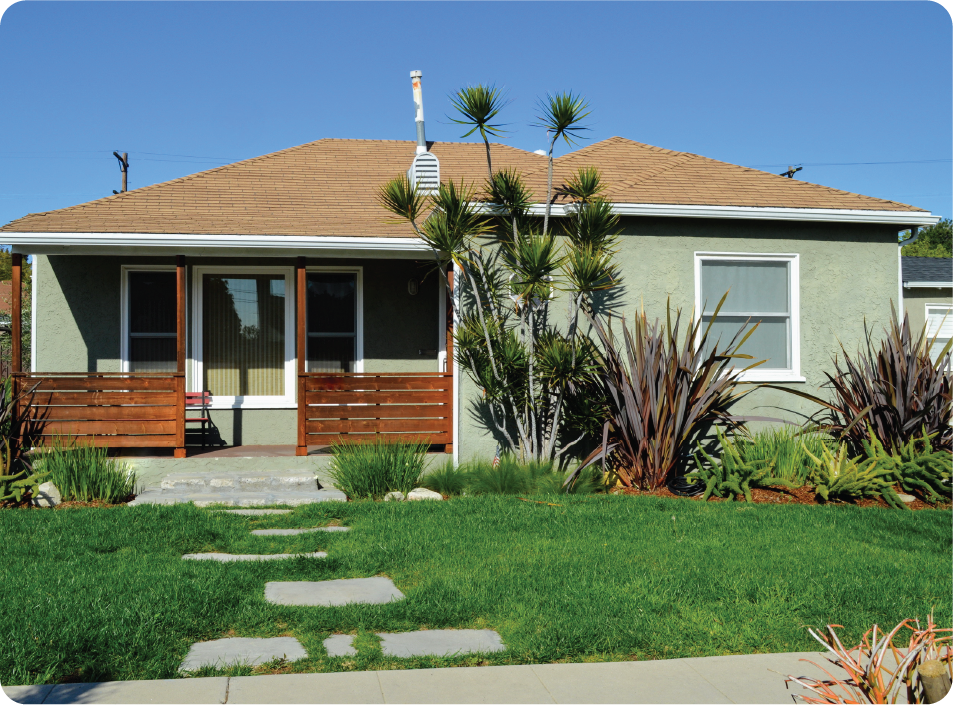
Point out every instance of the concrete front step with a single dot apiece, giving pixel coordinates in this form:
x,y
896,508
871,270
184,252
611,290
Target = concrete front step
x,y
259,482
240,499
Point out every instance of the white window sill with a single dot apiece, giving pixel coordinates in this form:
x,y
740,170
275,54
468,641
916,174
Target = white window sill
x,y
778,377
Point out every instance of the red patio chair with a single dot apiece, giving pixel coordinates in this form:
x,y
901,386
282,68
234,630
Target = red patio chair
x,y
199,400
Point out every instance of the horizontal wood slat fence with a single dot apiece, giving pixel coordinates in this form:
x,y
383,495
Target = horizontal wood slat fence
x,y
352,407
121,410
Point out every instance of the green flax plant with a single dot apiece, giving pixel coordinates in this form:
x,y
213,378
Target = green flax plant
x,y
536,376
663,396
890,391
371,469
85,472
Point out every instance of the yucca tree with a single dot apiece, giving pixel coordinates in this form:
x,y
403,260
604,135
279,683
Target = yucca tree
x,y
561,115
533,374
477,106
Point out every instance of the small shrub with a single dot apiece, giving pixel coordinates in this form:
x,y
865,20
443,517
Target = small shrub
x,y
733,474
841,477
447,479
785,448
509,477
374,468
916,467
86,473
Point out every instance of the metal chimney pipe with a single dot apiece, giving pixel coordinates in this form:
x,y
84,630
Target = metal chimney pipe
x,y
419,107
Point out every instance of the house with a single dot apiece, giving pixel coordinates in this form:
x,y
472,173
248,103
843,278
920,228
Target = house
x,y
282,286
928,296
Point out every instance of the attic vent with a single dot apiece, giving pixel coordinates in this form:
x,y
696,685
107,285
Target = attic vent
x,y
424,172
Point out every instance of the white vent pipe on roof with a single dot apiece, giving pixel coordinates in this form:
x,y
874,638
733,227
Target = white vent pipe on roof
x,y
419,107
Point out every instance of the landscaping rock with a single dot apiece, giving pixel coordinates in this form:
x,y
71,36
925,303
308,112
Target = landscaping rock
x,y
333,593
249,652
340,645
906,497
394,497
423,493
48,496
441,642
230,557
294,532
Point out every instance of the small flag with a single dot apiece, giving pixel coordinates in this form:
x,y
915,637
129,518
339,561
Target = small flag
x,y
496,458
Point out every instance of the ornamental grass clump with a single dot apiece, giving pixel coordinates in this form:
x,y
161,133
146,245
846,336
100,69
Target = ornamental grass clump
x,y
371,469
785,447
86,473
446,479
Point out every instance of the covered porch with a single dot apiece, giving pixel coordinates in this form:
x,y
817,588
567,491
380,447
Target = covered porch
x,y
316,391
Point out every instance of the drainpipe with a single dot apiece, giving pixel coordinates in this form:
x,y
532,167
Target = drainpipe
x,y
419,107
914,234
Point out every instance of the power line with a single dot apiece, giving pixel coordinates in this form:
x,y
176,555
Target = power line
x,y
912,161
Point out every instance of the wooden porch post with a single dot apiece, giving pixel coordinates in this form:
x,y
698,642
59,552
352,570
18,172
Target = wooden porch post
x,y
448,448
301,341
179,356
16,314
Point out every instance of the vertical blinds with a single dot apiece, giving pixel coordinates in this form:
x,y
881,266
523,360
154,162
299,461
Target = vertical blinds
x,y
243,334
152,336
759,290
332,321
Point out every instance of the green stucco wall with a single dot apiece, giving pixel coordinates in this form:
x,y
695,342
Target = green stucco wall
x,y
78,327
847,273
915,301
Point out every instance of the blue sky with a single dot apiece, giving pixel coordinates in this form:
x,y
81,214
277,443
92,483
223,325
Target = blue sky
x,y
186,86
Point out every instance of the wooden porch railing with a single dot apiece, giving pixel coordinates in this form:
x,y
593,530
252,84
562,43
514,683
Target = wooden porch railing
x,y
124,410
348,407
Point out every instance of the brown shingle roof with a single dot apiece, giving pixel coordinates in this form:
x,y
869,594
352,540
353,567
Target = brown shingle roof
x,y
329,187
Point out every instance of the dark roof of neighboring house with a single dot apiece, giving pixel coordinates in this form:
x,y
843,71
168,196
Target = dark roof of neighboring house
x,y
329,187
928,269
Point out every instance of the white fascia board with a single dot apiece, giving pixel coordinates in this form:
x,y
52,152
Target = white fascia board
x,y
830,215
927,285
186,242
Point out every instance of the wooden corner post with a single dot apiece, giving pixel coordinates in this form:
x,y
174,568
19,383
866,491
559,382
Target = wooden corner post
x,y
448,448
179,356
301,342
16,332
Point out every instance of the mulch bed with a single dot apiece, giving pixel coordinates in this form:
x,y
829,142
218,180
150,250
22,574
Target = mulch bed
x,y
780,495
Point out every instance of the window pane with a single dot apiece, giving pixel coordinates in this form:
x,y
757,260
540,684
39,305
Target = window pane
x,y
152,355
755,287
243,337
331,354
769,342
152,302
332,302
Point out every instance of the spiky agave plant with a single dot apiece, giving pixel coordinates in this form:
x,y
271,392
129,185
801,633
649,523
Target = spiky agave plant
x,y
664,395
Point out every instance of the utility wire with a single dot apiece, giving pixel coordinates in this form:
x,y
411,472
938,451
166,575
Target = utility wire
x,y
913,161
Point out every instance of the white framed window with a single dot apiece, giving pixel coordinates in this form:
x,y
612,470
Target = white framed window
x,y
764,288
939,319
148,325
335,319
243,336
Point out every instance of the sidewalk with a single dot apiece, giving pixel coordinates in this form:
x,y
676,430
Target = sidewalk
x,y
757,678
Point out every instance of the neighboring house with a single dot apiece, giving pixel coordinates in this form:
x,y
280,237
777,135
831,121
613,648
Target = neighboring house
x,y
273,281
928,296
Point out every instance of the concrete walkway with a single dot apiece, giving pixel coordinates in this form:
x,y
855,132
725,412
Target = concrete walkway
x,y
757,678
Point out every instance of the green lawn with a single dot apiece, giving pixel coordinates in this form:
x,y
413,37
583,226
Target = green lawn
x,y
101,594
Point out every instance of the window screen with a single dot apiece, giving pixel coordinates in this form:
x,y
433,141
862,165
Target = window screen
x,y
939,324
152,335
243,334
332,321
760,290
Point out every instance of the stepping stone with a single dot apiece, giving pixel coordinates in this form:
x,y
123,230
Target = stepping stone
x,y
255,512
230,557
340,645
293,532
441,642
249,652
333,593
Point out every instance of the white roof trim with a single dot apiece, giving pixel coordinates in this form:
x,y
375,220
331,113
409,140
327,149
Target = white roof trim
x,y
751,213
928,285
180,241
